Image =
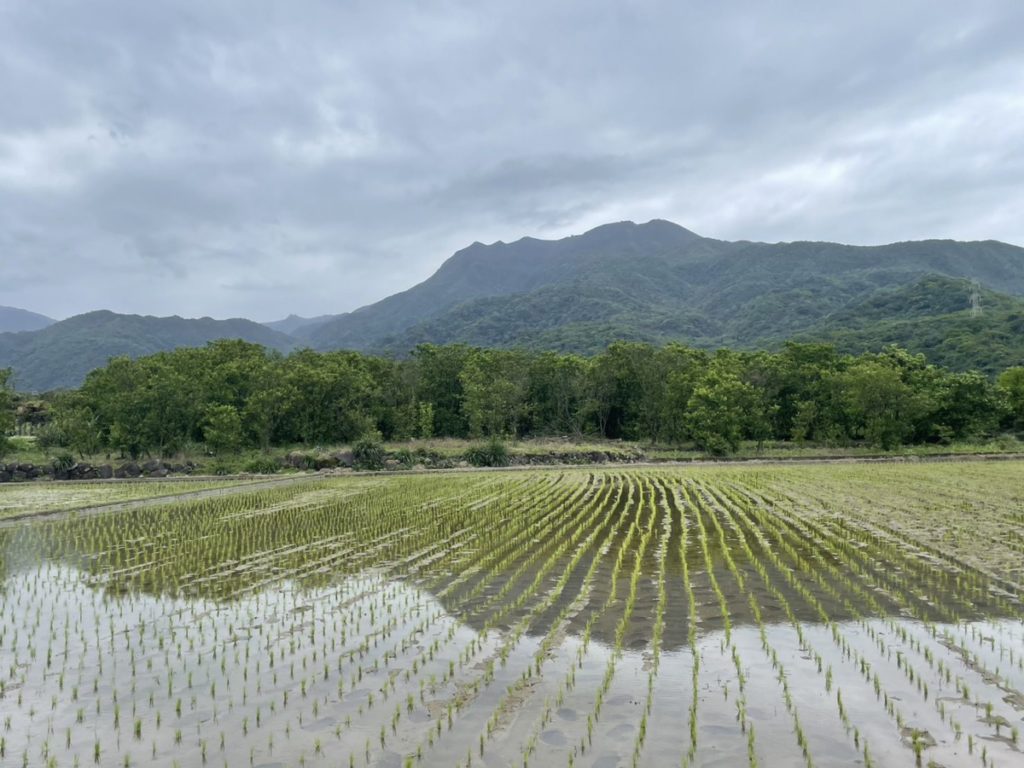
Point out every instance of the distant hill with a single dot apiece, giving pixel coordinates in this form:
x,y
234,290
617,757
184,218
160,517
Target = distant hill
x,y
13,319
60,355
658,282
294,323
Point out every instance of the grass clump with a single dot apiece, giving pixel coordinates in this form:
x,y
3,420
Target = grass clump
x,y
493,453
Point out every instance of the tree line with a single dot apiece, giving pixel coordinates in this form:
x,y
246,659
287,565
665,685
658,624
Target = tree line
x,y
231,395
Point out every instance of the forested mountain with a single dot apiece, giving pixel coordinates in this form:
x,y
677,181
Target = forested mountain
x,y
63,353
13,319
655,282
931,317
659,282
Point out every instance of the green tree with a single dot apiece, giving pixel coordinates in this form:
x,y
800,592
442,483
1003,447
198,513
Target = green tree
x,y
1011,386
425,420
495,385
438,375
718,410
77,426
882,407
222,430
6,410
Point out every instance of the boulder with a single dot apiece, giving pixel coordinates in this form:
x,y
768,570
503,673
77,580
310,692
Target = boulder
x,y
344,458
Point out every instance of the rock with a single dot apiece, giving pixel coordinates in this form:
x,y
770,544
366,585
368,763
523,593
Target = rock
x,y
162,472
151,466
344,458
392,464
106,471
131,469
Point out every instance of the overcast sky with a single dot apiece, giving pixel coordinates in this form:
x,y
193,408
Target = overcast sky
x,y
260,158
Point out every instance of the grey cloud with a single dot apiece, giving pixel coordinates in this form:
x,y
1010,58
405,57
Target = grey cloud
x,y
211,158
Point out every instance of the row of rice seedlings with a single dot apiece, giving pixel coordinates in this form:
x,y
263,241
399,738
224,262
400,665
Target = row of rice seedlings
x,y
586,521
861,663
644,526
610,527
421,664
946,581
620,511
659,625
623,511
700,509
716,506
641,503
823,545
947,527
920,609
17,499
921,601
691,600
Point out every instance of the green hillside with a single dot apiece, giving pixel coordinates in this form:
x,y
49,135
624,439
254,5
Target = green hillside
x,y
62,354
934,317
658,282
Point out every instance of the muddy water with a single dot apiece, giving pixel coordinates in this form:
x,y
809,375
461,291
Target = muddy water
x,y
313,644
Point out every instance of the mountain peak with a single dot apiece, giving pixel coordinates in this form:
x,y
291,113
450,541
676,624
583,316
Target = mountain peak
x,y
627,225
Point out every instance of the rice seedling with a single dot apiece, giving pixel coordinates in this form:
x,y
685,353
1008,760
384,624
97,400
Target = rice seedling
x,y
550,617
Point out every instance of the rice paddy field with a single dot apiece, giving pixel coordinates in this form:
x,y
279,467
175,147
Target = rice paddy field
x,y
827,615
18,499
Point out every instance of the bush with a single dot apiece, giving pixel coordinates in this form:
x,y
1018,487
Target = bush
x,y
221,468
62,462
493,453
406,458
368,452
50,436
262,465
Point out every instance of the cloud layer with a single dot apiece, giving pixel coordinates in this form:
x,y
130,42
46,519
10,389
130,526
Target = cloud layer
x,y
213,158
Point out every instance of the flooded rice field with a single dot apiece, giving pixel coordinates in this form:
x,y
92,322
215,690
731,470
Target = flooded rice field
x,y
759,616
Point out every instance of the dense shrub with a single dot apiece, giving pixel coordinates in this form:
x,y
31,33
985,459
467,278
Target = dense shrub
x,y
493,453
62,462
368,452
262,465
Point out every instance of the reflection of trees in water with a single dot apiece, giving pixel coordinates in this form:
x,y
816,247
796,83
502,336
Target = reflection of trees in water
x,y
217,549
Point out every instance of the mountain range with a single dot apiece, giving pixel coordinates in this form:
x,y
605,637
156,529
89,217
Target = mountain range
x,y
960,303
